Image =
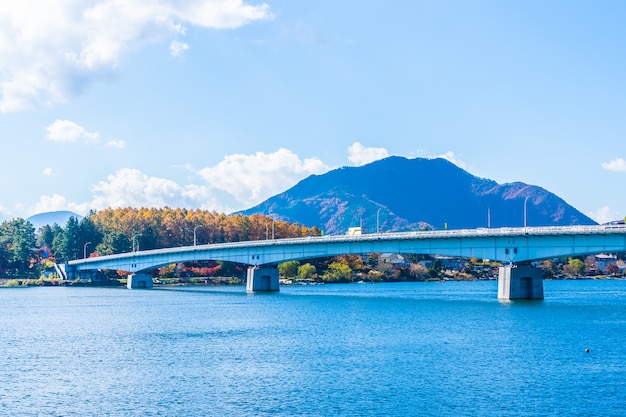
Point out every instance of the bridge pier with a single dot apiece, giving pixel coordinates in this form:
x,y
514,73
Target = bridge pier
x,y
262,279
520,283
139,281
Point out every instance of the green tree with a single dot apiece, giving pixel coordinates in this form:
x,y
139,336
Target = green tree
x,y
112,243
306,271
288,269
338,272
68,245
575,267
88,234
46,236
372,261
17,237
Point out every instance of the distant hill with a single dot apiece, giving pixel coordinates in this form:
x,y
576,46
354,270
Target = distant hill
x,y
52,217
412,194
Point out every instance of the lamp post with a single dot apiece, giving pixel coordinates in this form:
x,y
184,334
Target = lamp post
x,y
194,234
525,201
85,249
135,243
378,220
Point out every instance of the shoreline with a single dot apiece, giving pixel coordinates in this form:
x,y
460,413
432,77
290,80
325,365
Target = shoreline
x,y
13,282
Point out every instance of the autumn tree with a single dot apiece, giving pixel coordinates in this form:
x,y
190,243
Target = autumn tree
x,y
612,269
355,262
548,267
338,272
575,267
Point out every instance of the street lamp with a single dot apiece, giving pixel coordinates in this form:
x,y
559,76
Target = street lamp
x,y
194,234
135,242
85,249
378,219
525,201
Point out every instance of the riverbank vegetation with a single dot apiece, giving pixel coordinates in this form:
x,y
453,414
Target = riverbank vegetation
x,y
27,256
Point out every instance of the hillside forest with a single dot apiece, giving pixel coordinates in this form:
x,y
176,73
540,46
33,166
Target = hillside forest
x,y
27,253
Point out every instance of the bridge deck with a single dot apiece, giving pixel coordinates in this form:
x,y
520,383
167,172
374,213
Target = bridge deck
x,y
501,244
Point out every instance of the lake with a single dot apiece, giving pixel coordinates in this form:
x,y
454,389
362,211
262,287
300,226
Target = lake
x,y
392,349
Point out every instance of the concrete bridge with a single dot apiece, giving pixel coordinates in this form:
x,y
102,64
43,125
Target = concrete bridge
x,y
514,247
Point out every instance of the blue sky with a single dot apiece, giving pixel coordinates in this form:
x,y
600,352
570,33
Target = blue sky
x,y
220,104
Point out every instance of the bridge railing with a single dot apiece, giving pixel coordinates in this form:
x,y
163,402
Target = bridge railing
x,y
431,234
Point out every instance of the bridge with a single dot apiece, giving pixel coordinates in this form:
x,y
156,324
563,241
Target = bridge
x,y
514,247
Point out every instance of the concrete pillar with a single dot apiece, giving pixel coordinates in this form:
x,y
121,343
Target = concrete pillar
x,y
520,283
262,279
139,281
65,271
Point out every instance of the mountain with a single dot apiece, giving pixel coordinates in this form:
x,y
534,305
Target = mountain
x,y
51,217
400,194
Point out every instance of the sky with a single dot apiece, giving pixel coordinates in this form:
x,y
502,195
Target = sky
x,y
221,104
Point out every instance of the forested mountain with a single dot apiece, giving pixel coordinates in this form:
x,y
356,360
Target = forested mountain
x,y
400,194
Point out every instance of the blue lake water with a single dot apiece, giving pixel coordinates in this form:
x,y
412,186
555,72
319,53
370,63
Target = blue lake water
x,y
406,349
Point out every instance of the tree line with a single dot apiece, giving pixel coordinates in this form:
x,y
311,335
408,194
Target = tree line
x,y
25,251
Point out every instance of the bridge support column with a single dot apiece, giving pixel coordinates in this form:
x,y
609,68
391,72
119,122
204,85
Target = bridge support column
x,y
139,281
520,283
262,279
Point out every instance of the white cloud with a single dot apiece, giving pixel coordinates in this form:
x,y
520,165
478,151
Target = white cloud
x,y
132,188
57,202
604,215
47,172
52,49
452,157
360,155
178,48
237,182
120,144
68,131
253,178
616,165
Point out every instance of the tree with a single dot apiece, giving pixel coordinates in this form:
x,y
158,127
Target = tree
x,y
112,243
68,245
419,271
574,267
288,269
17,238
47,234
548,267
89,235
306,271
612,269
355,262
372,261
338,272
